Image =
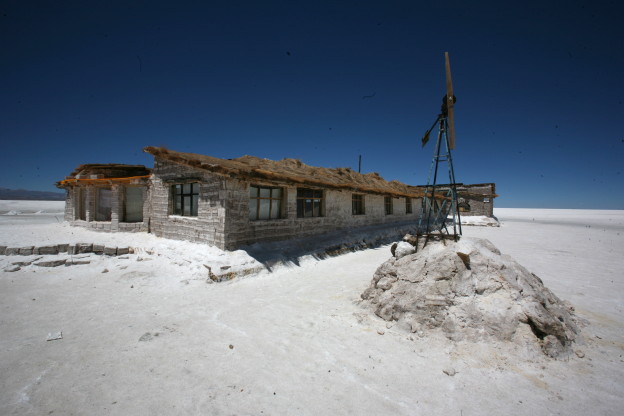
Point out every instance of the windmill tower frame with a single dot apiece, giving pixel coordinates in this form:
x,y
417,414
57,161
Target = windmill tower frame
x,y
440,200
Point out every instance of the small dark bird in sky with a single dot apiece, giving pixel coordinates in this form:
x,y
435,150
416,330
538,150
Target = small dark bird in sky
x,y
288,53
369,96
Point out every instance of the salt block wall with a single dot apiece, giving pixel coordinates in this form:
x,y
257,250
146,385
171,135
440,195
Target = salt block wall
x,y
208,226
223,210
69,205
477,206
72,207
240,230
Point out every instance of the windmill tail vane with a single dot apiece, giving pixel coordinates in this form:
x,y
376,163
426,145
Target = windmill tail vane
x,y
425,138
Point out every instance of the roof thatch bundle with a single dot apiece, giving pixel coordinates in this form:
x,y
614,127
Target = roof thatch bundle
x,y
94,173
289,172
110,170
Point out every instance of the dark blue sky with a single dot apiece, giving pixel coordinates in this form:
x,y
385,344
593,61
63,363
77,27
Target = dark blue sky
x,y
539,89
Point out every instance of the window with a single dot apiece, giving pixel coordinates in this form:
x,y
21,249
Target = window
x,y
133,204
486,199
104,205
265,203
408,205
357,204
309,203
185,199
388,204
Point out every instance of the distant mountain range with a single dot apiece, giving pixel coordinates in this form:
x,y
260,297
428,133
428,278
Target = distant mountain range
x,y
23,194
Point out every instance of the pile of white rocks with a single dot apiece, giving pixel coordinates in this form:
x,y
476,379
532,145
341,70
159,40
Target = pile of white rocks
x,y
471,292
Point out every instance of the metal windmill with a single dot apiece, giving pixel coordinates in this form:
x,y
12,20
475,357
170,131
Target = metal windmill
x,y
440,200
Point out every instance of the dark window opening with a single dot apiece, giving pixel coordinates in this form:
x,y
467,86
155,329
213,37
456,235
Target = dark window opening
x,y
408,205
133,204
357,204
388,205
265,203
82,203
309,203
104,204
463,206
185,199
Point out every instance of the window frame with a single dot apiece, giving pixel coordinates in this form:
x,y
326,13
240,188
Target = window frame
x,y
408,205
125,203
194,199
388,205
313,195
103,213
272,200
357,204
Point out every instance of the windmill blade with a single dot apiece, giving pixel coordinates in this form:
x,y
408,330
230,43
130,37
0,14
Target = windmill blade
x,y
450,102
451,127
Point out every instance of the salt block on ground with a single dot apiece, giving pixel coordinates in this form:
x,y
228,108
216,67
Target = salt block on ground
x,y
471,292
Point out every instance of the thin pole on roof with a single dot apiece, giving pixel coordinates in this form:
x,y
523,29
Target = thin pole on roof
x,y
360,165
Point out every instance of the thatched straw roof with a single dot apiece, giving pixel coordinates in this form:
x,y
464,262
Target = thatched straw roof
x,y
95,173
288,172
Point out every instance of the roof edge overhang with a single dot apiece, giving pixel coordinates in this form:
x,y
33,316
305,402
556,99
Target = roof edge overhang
x,y
102,181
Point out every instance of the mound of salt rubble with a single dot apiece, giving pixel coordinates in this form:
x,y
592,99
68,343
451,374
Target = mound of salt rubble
x,y
471,292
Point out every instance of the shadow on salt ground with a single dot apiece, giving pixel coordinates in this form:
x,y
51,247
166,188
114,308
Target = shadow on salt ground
x,y
292,252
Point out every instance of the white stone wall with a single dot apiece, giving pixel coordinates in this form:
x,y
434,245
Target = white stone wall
x,y
223,210
477,204
208,225
69,205
474,195
72,208
240,230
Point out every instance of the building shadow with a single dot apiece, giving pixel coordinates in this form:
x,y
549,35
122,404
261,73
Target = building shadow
x,y
292,252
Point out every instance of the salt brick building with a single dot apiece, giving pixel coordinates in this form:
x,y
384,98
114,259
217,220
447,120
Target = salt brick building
x,y
230,203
